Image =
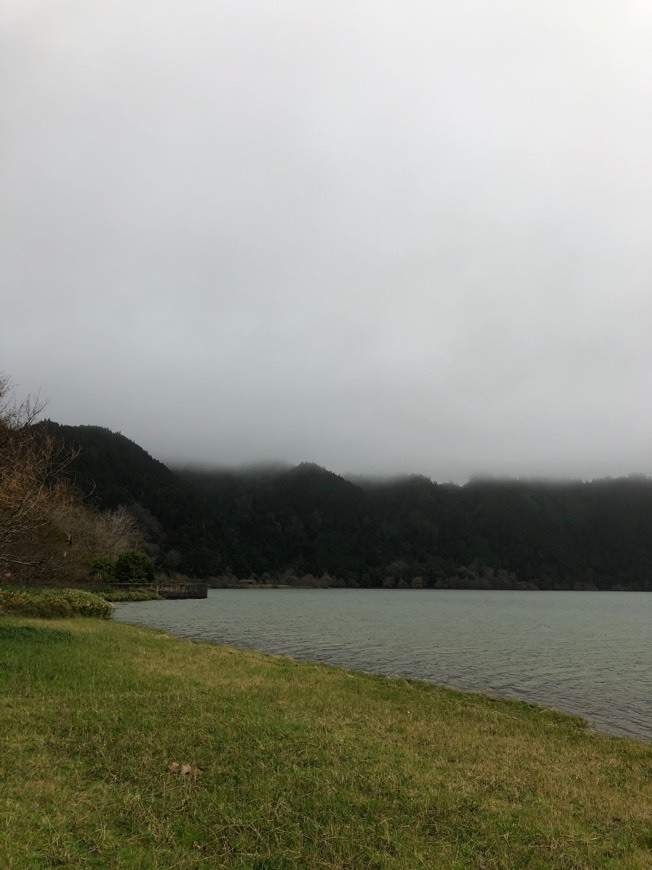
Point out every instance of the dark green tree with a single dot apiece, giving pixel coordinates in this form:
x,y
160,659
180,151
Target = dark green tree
x,y
132,566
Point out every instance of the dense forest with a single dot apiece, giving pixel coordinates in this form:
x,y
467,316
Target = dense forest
x,y
307,525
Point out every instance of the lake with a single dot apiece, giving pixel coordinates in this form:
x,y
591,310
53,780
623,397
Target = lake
x,y
588,653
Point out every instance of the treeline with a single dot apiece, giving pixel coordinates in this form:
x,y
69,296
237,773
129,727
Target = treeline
x,y
307,525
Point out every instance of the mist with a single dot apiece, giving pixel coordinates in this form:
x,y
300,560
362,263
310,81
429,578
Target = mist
x,y
383,237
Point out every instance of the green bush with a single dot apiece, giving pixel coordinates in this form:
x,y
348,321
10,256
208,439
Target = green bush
x,y
50,603
101,568
131,595
132,566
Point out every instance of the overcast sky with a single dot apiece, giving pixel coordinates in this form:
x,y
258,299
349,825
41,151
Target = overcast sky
x,y
380,236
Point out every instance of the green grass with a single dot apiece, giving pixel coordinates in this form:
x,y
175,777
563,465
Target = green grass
x,y
302,765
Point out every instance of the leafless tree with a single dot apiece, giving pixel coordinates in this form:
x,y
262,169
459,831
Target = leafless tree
x,y
116,531
32,486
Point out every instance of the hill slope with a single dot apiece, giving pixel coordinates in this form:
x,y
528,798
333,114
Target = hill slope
x,y
307,520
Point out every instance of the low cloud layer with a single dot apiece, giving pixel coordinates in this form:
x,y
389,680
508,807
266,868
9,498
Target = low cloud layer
x,y
383,237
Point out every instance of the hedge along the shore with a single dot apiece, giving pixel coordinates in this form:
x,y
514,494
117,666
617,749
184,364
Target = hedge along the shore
x,y
49,603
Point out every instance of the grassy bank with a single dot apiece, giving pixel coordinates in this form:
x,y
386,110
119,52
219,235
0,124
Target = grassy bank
x,y
123,747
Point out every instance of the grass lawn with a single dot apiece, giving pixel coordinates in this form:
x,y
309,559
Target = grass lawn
x,y
124,747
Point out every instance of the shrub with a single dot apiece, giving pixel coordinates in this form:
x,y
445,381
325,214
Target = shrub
x,y
49,603
101,568
132,565
131,595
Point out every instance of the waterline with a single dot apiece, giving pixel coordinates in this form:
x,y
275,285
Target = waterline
x,y
586,653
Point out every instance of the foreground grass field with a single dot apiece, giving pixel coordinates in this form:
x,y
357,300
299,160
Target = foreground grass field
x,y
123,747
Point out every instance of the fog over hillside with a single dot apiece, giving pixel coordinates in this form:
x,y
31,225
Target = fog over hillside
x,y
307,525
384,237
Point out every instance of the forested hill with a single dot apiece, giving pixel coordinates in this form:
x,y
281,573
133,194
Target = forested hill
x,y
306,522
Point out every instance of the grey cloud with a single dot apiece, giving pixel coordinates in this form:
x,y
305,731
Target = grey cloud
x,y
380,236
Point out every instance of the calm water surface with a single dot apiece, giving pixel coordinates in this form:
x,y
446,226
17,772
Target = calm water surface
x,y
588,653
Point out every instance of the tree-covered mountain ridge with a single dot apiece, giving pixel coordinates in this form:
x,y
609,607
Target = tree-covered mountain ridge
x,y
308,524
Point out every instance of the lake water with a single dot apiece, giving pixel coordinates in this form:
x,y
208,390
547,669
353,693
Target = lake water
x,y
588,653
